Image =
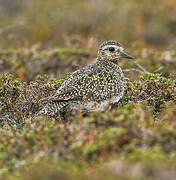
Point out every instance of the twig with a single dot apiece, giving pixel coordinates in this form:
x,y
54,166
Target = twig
x,y
159,69
132,69
140,67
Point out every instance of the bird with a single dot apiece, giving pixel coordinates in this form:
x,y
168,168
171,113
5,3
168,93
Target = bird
x,y
95,87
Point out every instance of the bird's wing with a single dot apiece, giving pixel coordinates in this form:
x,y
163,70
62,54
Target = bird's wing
x,y
74,87
70,88
67,95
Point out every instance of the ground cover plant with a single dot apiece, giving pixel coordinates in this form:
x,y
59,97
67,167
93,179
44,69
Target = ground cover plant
x,y
41,43
125,138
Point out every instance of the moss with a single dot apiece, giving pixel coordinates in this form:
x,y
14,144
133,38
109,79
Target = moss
x,y
125,143
127,134
27,63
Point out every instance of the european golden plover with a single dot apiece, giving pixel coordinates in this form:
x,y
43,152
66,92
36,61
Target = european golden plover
x,y
94,87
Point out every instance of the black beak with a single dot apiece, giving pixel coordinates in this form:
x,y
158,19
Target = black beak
x,y
124,55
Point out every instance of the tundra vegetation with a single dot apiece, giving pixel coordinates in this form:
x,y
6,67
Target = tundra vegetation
x,y
135,140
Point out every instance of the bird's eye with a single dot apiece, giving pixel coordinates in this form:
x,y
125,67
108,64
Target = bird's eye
x,y
111,49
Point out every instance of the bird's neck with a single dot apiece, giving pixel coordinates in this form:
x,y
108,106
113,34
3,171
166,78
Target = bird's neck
x,y
106,62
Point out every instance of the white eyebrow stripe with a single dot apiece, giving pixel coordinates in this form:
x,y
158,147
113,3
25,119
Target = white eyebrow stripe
x,y
114,46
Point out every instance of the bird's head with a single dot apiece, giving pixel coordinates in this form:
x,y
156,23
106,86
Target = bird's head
x,y
112,50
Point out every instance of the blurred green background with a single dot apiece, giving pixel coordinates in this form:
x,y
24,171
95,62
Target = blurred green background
x,y
54,37
61,22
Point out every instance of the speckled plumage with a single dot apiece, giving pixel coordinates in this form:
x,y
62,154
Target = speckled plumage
x,y
92,88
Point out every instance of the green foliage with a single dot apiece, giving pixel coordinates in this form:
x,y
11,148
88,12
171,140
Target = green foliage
x,y
153,89
126,143
126,137
68,149
51,22
27,63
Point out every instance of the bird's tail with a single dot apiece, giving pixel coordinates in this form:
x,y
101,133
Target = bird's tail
x,y
52,109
